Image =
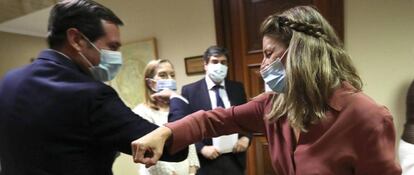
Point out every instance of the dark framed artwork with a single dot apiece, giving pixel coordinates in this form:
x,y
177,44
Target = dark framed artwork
x,y
194,65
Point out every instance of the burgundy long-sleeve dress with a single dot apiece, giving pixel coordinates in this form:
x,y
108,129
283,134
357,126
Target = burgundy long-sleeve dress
x,y
356,137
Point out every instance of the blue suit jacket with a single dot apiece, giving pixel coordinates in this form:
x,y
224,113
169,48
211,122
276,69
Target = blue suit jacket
x,y
55,119
198,97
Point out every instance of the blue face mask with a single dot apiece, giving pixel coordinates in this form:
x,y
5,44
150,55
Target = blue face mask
x,y
274,75
109,65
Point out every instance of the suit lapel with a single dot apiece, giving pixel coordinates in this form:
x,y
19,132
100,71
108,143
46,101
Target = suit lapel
x,y
229,92
204,96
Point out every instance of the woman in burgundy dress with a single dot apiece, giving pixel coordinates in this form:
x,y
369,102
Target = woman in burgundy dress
x,y
317,120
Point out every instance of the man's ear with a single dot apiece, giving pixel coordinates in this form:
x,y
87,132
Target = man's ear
x,y
205,66
74,38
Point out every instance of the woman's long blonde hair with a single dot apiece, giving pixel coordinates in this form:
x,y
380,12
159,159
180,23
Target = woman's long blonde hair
x,y
316,65
149,73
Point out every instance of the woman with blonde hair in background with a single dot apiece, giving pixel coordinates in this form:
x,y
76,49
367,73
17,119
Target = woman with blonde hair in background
x,y
160,75
317,120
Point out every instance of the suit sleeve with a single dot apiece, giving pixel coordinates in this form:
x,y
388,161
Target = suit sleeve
x,y
116,126
206,124
185,93
178,109
410,104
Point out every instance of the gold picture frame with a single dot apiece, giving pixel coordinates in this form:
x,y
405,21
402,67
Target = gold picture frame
x,y
194,65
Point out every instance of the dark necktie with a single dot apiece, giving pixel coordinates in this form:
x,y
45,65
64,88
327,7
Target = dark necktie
x,y
216,89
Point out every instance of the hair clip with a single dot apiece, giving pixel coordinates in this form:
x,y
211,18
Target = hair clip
x,y
282,20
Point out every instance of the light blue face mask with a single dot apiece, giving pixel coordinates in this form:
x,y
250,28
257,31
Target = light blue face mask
x,y
109,65
162,84
274,75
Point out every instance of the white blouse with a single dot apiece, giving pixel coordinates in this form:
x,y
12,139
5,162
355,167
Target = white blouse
x,y
165,168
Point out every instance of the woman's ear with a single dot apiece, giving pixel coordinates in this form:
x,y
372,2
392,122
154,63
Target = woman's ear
x,y
151,84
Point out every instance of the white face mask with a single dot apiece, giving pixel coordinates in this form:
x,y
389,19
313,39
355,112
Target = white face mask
x,y
109,65
217,72
267,88
274,75
162,84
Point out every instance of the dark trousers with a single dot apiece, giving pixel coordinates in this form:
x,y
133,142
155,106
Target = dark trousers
x,y
226,164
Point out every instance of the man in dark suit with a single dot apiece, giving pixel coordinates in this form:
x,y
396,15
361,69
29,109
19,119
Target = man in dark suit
x,y
406,146
57,116
211,92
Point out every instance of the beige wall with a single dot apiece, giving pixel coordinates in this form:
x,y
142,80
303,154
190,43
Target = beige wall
x,y
182,28
379,36
16,50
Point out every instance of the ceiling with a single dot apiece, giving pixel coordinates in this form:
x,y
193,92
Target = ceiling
x,y
11,9
137,16
33,24
27,17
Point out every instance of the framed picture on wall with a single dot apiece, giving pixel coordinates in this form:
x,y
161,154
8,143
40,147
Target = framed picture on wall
x,y
129,82
194,65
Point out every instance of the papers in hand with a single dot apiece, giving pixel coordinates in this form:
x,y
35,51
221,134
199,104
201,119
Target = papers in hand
x,y
225,144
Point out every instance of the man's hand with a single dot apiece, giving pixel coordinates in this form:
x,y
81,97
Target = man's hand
x,y
148,149
241,145
210,152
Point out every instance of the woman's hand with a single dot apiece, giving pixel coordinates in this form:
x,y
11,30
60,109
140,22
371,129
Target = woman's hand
x,y
148,149
163,96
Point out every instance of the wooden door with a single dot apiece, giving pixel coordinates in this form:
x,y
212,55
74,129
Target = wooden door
x,y
237,29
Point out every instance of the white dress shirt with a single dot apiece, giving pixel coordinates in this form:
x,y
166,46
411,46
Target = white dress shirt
x,y
406,153
222,93
161,168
